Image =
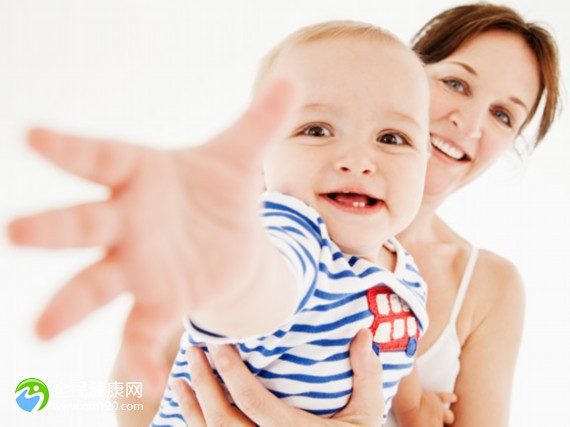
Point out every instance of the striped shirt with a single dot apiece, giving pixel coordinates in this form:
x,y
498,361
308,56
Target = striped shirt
x,y
305,362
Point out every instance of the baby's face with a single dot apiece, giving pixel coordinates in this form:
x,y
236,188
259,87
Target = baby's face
x,y
358,148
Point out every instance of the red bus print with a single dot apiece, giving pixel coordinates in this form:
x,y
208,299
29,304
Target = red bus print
x,y
394,326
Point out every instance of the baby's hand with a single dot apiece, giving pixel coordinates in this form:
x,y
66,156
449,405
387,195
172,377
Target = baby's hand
x,y
180,227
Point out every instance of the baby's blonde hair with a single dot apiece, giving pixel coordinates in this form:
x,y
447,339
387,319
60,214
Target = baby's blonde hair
x,y
321,31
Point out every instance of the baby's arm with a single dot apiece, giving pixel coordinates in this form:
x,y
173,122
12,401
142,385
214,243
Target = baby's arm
x,y
181,231
415,407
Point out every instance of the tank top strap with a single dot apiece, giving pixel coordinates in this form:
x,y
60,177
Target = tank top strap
x,y
465,280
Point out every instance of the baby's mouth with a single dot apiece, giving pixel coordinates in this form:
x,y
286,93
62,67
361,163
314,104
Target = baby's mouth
x,y
354,200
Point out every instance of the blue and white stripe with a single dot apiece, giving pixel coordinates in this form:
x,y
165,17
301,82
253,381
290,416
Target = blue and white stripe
x,y
305,362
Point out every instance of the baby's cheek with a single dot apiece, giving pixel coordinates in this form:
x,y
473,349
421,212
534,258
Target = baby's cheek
x,y
410,197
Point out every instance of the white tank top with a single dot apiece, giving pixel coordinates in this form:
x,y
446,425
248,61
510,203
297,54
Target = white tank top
x,y
438,367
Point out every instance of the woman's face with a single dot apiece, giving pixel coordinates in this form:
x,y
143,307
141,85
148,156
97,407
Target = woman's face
x,y
480,97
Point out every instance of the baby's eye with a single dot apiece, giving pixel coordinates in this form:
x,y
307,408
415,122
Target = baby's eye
x,y
456,85
317,131
392,139
503,117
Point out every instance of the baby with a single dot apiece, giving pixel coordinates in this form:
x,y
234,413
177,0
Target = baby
x,y
347,177
343,166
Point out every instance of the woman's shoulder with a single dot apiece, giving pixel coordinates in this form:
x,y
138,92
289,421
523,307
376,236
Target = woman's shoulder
x,y
494,300
497,289
496,273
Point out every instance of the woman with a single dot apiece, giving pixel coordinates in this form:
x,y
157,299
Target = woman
x,y
488,71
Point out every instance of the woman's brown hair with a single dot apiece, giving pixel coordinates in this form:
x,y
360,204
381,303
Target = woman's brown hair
x,y
446,32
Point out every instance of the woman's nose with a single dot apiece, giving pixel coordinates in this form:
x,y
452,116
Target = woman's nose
x,y
469,120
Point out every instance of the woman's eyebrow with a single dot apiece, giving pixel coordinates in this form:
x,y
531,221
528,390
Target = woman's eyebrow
x,y
519,102
467,68
472,71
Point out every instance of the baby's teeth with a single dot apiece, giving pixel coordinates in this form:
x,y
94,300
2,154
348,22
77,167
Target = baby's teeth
x,y
358,204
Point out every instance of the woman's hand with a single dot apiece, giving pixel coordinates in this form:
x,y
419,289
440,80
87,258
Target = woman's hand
x,y
433,411
209,406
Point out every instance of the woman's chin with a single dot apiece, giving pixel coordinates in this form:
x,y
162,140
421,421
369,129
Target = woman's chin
x,y
439,187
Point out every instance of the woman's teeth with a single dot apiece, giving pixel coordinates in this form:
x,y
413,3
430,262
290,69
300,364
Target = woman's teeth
x,y
358,204
447,149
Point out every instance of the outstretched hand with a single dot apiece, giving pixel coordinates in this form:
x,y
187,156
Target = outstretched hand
x,y
169,219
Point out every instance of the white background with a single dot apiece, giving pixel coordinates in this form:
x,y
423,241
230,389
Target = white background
x,y
170,73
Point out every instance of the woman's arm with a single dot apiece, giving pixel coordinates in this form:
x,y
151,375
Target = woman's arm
x,y
489,354
209,405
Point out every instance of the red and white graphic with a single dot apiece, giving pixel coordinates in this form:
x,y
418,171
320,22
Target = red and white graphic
x,y
394,326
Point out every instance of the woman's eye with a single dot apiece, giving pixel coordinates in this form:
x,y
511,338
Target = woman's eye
x,y
392,139
503,117
456,85
317,132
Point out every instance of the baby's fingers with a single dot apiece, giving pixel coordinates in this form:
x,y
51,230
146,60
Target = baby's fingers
x,y
262,123
90,289
104,162
90,224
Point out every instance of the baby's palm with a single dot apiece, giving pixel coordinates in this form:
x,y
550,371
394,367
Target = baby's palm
x,y
180,227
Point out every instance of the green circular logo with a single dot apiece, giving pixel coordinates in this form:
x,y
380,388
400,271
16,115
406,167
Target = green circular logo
x,y
32,395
